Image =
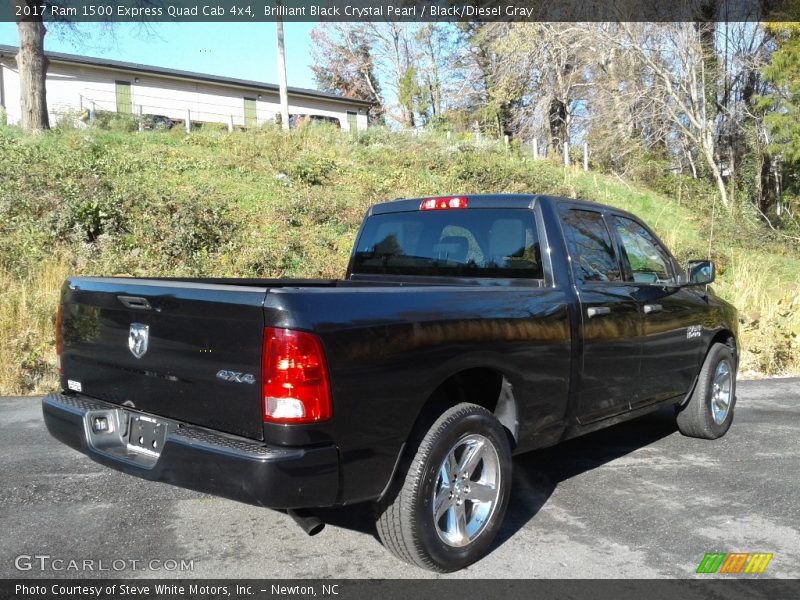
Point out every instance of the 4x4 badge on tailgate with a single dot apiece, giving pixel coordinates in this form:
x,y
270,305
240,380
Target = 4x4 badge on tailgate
x,y
138,337
235,376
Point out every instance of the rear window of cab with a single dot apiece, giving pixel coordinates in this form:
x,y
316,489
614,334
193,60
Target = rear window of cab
x,y
500,243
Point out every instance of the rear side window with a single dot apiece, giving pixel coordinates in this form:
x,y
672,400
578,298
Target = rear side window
x,y
590,247
463,243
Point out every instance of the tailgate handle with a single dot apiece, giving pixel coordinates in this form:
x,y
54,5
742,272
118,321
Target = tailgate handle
x,y
135,302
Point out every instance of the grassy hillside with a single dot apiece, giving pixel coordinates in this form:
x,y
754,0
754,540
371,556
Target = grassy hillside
x,y
264,203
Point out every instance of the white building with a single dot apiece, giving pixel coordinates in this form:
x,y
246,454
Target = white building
x,y
82,83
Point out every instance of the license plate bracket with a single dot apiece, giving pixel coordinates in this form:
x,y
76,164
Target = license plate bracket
x,y
146,435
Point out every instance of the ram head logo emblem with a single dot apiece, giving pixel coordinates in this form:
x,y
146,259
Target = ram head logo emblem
x,y
138,336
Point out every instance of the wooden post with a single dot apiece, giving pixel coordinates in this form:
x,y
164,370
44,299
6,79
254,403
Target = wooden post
x,y
477,137
449,134
585,156
141,119
283,93
230,123
566,154
505,139
535,144
92,113
188,121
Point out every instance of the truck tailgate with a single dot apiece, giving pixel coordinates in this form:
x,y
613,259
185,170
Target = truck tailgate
x,y
158,346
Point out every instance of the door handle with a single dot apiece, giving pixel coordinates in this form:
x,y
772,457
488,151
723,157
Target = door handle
x,y
594,311
652,308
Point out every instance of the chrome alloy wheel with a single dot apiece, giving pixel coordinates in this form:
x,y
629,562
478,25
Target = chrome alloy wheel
x,y
467,490
721,392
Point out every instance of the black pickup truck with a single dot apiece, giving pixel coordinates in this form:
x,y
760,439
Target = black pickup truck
x,y
467,329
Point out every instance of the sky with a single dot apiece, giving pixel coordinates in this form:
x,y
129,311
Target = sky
x,y
242,50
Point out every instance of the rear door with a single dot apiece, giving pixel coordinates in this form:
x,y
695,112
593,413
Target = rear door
x,y
610,322
670,351
187,351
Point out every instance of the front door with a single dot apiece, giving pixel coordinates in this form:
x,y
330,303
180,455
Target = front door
x,y
671,343
124,99
610,322
250,114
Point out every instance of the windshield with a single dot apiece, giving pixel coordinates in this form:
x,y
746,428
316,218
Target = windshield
x,y
458,242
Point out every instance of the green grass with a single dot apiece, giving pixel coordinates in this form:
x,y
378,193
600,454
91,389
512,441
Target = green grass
x,y
268,204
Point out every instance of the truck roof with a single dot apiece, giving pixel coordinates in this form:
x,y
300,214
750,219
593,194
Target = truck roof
x,y
483,201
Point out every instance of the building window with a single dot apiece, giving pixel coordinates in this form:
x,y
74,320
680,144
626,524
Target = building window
x,y
352,120
124,100
250,119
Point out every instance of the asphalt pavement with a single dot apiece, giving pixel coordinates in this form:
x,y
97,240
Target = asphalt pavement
x,y
636,500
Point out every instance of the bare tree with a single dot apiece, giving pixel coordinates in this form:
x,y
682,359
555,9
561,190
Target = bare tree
x,y
673,55
377,51
487,94
343,63
392,47
542,75
404,68
435,46
620,117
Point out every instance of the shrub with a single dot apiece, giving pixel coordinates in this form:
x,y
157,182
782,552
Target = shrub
x,y
312,170
114,121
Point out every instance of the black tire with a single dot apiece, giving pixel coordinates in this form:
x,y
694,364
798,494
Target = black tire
x,y
696,417
405,519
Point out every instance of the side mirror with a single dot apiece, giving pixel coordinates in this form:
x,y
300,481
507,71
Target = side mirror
x,y
701,272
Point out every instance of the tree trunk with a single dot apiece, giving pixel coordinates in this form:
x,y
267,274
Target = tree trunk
x,y
558,125
765,196
708,150
32,65
691,163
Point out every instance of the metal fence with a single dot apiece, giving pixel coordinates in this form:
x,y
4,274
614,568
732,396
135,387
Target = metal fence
x,y
198,112
183,111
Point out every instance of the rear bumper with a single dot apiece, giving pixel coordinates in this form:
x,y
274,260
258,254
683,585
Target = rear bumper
x,y
200,459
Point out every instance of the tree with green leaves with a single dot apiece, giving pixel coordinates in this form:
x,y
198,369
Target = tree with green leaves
x,y
782,104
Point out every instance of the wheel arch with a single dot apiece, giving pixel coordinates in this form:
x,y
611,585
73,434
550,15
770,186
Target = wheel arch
x,y
727,337
721,336
486,386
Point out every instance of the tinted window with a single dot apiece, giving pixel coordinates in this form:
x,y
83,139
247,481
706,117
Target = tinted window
x,y
649,262
590,247
458,242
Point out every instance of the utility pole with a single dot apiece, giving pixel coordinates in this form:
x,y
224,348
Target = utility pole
x,y
282,70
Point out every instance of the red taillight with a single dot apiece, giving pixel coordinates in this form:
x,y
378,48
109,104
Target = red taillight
x,y
443,203
294,378
59,336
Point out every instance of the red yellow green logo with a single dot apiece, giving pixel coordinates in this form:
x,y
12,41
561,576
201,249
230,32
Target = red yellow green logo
x,y
734,563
